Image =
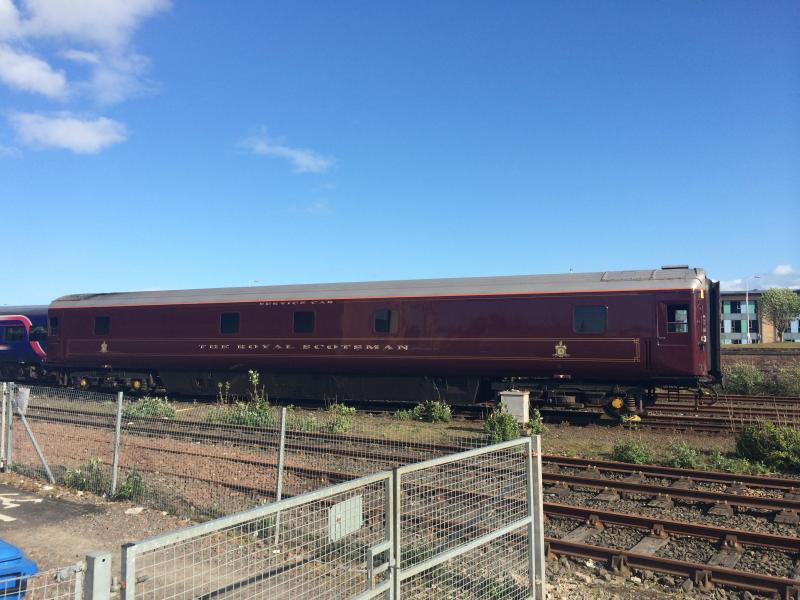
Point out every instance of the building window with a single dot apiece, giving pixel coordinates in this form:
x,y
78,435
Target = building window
x,y
385,321
753,326
53,325
102,325
14,334
229,323
304,322
589,319
678,318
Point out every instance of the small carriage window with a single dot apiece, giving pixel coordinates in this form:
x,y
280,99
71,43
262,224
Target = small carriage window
x,y
678,318
53,325
385,321
229,323
102,325
14,334
304,322
37,334
589,319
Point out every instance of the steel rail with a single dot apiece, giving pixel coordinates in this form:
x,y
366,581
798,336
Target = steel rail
x,y
787,589
691,495
748,538
760,481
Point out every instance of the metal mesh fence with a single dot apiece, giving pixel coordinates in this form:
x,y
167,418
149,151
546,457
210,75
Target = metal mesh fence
x,y
55,584
452,503
313,547
75,431
497,570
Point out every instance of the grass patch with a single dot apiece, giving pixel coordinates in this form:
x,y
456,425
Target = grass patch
x,y
95,477
632,451
149,406
249,414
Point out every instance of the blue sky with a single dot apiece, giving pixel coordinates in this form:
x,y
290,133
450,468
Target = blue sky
x,y
146,144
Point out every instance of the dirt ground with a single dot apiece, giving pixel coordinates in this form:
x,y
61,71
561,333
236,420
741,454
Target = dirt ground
x,y
79,523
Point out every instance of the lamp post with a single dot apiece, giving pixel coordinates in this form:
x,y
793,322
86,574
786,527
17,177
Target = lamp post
x,y
747,305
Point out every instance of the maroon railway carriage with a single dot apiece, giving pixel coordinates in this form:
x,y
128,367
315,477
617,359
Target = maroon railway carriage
x,y
590,334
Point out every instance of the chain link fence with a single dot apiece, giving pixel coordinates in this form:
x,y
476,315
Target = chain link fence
x,y
201,461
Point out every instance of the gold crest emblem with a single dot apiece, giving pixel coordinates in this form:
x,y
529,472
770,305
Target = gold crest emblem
x,y
103,347
561,350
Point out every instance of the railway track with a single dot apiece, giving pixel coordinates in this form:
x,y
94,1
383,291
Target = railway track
x,y
604,478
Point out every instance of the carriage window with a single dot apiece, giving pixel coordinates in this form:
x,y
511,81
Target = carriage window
x,y
589,319
385,321
229,323
14,334
37,334
678,318
53,325
102,325
304,322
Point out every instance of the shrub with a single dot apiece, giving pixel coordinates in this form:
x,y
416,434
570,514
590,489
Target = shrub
x,y
632,451
132,487
683,456
91,476
433,411
342,418
149,406
743,378
536,424
776,447
785,381
501,426
404,415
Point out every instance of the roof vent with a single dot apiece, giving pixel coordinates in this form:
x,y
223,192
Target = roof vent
x,y
668,267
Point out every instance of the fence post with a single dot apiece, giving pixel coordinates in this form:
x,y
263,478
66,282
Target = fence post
x,y
396,518
97,585
9,425
115,460
3,402
536,558
279,477
128,572
35,444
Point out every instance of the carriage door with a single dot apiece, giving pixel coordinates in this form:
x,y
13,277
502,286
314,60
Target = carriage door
x,y
673,335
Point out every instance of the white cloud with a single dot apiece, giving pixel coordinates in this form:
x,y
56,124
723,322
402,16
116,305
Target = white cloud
x,y
106,23
9,19
783,276
318,208
302,159
66,131
9,152
102,31
27,73
81,56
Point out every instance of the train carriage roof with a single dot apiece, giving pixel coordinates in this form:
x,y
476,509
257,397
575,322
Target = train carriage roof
x,y
674,278
28,311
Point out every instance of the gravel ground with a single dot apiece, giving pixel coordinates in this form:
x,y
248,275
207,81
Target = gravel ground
x,y
579,579
621,538
769,562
